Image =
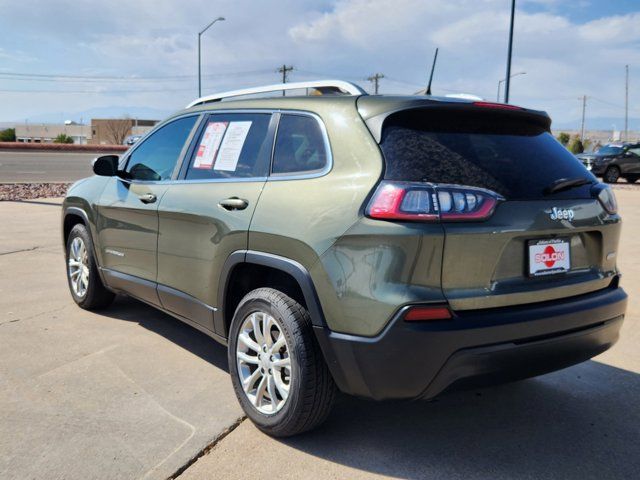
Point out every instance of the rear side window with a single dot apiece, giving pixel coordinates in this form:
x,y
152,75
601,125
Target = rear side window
x,y
512,157
300,146
232,145
156,157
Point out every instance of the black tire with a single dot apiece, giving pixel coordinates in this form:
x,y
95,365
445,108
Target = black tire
x,y
611,175
96,296
311,389
632,179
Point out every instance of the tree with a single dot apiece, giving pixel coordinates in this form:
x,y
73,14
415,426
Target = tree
x,y
117,130
63,138
576,145
8,135
563,138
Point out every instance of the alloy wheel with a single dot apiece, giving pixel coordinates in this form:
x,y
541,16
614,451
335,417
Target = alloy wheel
x,y
78,267
264,364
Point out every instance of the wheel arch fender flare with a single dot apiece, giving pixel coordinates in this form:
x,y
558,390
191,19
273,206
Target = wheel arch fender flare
x,y
291,267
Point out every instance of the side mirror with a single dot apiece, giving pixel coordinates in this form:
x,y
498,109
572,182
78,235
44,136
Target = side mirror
x,y
106,165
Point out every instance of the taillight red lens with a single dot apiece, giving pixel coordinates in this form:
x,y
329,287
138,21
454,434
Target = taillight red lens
x,y
430,202
427,313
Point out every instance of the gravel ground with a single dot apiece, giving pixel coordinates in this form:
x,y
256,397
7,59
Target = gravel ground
x,y
29,191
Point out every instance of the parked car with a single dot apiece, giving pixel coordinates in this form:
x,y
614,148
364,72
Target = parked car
x,y
131,139
387,247
613,161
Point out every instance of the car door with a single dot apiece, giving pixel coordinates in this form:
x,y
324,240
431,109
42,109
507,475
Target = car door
x,y
204,216
127,211
633,159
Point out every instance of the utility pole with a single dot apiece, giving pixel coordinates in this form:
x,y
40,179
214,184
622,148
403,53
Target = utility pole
x,y
508,76
375,78
626,105
584,107
284,70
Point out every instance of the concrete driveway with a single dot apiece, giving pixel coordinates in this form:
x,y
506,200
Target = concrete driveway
x,y
125,393
132,393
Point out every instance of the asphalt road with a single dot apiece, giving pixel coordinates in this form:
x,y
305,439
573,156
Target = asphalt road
x,y
44,166
131,393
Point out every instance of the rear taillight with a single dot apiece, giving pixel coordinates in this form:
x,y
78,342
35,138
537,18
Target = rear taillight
x,y
606,197
431,202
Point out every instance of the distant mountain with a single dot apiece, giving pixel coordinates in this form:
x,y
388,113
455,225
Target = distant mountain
x,y
598,123
101,112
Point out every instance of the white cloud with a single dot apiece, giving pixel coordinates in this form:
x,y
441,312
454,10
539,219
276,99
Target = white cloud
x,y
344,38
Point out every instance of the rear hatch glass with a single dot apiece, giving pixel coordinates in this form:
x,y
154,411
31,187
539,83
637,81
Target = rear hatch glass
x,y
511,156
538,245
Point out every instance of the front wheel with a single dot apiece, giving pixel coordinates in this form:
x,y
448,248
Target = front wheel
x,y
611,175
277,369
83,277
632,179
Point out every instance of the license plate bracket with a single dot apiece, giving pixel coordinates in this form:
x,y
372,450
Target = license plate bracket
x,y
549,256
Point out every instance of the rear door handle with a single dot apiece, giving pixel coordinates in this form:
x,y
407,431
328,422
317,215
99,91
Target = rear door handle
x,y
147,198
234,203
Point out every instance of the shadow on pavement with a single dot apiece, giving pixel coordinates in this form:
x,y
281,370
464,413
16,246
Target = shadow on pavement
x,y
196,342
580,423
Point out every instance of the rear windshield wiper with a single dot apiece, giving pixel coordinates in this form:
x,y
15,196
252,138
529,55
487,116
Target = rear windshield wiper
x,y
566,184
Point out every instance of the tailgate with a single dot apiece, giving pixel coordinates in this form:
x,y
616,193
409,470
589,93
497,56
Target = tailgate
x,y
486,264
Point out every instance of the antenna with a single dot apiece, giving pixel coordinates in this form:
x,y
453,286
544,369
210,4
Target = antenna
x,y
433,67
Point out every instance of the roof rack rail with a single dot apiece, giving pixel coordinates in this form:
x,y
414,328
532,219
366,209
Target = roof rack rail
x,y
339,87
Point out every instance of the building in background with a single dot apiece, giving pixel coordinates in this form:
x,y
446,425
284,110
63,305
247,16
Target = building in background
x,y
114,131
101,131
47,132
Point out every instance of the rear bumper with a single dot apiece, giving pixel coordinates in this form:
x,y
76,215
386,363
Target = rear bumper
x,y
414,360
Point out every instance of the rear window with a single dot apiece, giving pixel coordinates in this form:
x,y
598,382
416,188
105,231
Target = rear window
x,y
510,156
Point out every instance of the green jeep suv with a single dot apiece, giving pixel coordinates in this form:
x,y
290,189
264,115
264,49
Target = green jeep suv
x,y
390,247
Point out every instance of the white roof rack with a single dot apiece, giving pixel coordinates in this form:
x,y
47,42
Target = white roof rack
x,y
346,88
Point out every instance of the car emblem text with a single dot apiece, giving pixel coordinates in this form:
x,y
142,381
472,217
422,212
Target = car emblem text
x,y
561,214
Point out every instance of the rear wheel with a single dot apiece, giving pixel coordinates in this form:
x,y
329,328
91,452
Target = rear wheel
x,y
632,179
85,284
611,175
277,369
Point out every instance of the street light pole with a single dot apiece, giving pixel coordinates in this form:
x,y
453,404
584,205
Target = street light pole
x,y
508,76
221,19
500,82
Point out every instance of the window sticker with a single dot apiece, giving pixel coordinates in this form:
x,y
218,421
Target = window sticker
x,y
209,145
229,151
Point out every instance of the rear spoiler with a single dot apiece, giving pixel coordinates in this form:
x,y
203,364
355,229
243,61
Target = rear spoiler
x,y
375,114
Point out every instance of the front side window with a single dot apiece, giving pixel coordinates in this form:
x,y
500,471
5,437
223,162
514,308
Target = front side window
x,y
232,145
156,158
300,146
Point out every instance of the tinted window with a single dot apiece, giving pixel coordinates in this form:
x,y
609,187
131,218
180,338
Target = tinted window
x,y
299,146
232,145
516,159
156,157
610,150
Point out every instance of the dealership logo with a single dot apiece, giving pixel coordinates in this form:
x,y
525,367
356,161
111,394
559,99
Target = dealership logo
x,y
549,256
561,214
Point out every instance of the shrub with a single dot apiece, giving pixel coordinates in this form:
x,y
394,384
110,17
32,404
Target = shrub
x,y
63,138
576,145
8,135
563,138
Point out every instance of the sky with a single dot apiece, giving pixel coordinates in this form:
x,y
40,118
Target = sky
x,y
61,59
